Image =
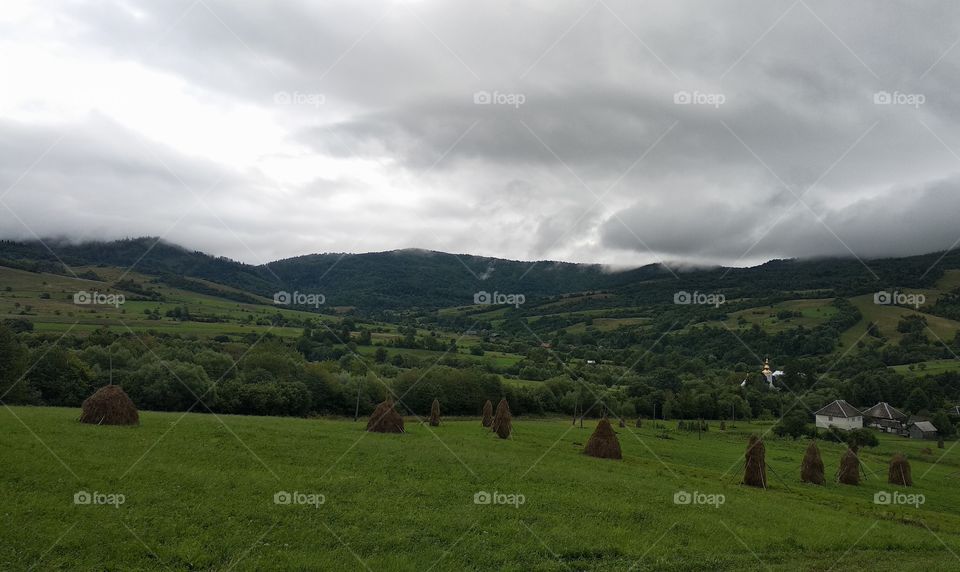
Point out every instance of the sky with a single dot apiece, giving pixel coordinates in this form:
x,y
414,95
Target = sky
x,y
607,131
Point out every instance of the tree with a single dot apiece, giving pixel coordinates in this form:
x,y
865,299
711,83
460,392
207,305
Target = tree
x,y
13,357
918,401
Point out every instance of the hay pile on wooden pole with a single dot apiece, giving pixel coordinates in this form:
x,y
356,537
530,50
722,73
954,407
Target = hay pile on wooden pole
x,y
487,414
109,405
603,443
623,423
385,419
723,425
899,472
755,465
502,421
849,473
435,413
811,469
639,422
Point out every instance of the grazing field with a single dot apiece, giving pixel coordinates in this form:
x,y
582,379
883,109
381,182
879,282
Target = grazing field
x,y
931,367
199,493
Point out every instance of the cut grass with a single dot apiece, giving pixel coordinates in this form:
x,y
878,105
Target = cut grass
x,y
199,494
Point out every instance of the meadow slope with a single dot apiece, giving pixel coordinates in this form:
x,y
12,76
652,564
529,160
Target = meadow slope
x,y
199,494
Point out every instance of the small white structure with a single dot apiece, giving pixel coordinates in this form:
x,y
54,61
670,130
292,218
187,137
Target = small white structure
x,y
840,415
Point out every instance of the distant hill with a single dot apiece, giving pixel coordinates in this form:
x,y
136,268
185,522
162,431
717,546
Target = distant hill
x,y
416,279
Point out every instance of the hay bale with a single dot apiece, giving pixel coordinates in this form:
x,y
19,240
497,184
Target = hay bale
x,y
435,413
639,422
109,405
385,419
940,443
723,425
755,466
487,414
811,469
899,472
849,473
603,444
623,423
502,421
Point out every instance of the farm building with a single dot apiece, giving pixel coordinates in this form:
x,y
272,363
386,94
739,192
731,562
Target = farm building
x,y
886,418
841,415
923,430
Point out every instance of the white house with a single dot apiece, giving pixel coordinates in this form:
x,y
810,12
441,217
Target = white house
x,y
841,415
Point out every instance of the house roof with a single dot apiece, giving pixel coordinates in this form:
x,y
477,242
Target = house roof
x,y
892,423
925,426
840,408
883,410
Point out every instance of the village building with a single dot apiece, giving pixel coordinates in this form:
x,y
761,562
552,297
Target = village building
x,y
923,430
886,418
840,415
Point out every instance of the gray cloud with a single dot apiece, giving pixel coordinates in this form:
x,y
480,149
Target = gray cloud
x,y
398,154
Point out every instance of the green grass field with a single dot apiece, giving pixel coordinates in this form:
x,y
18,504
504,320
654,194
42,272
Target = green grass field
x,y
199,494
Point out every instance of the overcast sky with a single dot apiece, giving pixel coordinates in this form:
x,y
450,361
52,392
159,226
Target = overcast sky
x,y
609,131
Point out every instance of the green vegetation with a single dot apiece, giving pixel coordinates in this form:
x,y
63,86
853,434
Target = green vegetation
x,y
199,494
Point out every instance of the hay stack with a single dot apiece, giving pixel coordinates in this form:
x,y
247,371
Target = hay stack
x,y
639,422
849,473
623,423
109,405
723,425
603,444
811,470
487,414
899,472
385,419
435,413
502,422
940,443
755,467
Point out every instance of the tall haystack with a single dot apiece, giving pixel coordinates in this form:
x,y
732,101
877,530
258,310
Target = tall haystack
x,y
623,422
502,422
435,413
899,472
723,425
487,414
811,469
639,422
603,443
849,473
385,419
109,405
755,467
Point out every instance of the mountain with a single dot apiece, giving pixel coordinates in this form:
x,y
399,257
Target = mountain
x,y
407,279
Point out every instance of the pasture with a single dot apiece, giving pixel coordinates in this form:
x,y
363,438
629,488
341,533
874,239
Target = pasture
x,y
199,493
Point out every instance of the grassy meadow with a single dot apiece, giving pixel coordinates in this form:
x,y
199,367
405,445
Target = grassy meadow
x,y
199,493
